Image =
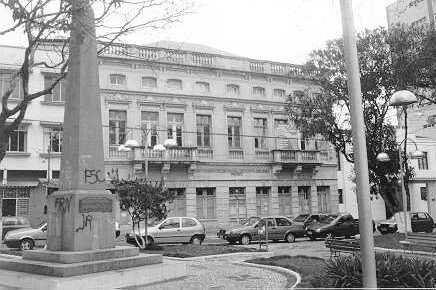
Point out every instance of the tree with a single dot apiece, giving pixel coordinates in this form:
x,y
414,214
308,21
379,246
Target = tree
x,y
143,199
327,114
46,24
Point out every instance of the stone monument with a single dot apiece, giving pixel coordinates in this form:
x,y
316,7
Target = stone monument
x,y
81,226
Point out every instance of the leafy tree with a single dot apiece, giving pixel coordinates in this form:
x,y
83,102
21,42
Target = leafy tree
x,y
46,24
143,199
327,114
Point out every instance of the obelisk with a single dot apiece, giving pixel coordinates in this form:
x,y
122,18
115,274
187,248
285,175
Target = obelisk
x,y
81,213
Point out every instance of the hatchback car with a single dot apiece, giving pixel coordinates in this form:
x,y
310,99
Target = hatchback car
x,y
172,230
26,238
13,223
277,228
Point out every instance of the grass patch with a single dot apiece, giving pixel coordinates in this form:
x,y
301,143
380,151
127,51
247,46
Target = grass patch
x,y
392,241
306,266
189,251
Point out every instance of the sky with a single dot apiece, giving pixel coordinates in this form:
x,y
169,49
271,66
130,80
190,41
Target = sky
x,y
277,30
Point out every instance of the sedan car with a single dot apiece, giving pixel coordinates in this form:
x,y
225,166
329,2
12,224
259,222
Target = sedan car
x,y
276,227
26,238
13,223
172,230
420,222
245,222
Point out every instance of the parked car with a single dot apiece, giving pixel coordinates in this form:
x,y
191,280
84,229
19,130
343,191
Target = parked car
x,y
420,222
26,238
13,223
278,227
341,225
245,222
172,230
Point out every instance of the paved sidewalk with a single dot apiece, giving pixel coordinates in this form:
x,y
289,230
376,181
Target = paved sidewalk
x,y
225,273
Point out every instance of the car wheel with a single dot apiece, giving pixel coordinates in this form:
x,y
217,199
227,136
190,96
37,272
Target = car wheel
x,y
245,240
26,244
196,240
150,241
312,238
290,238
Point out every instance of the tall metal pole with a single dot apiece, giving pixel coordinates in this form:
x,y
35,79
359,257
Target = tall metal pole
x,y
403,191
359,147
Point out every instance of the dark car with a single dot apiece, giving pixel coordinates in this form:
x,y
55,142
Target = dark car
x,y
420,222
276,227
244,222
13,223
343,225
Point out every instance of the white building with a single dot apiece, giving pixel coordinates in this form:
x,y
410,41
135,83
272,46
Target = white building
x,y
411,12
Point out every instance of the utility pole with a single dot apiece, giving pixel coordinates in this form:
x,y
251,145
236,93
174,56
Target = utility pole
x,y
359,147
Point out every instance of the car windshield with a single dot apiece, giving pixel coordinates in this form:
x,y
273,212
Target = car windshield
x,y
301,218
251,221
327,219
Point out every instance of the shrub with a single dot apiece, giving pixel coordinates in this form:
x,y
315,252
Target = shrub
x,y
393,271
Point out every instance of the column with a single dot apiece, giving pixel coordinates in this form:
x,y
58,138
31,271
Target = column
x,y
247,130
162,127
274,200
313,199
250,200
191,201
219,129
222,204
295,201
190,121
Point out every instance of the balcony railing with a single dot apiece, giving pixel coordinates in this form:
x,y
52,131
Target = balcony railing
x,y
236,154
205,153
115,154
296,156
262,155
178,154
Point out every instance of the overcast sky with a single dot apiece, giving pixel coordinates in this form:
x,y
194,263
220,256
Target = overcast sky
x,y
279,30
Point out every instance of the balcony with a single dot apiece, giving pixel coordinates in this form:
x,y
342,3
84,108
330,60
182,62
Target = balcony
x,y
172,155
296,156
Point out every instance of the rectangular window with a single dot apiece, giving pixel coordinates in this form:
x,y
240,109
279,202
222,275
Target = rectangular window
x,y
280,93
53,139
260,132
423,162
258,91
18,140
174,84
234,132
117,127
117,79
263,200
178,206
202,87
206,203
340,196
304,199
149,82
59,91
285,200
175,127
237,202
149,128
5,81
423,191
232,89
203,130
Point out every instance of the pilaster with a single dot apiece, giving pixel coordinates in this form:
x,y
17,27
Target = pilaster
x,y
250,195
295,201
274,201
313,199
191,202
222,204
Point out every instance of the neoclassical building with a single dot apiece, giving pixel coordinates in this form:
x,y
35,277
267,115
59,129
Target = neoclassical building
x,y
236,154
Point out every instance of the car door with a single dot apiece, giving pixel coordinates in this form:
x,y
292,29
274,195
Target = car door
x,y
169,231
344,226
429,223
189,228
40,236
414,220
273,231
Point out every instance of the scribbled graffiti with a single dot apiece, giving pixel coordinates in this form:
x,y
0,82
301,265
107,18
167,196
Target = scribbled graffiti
x,y
93,176
63,203
86,223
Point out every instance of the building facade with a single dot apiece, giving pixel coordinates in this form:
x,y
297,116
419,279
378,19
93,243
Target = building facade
x,y
411,12
236,154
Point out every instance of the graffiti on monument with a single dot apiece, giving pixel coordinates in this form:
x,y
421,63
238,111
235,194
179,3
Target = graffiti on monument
x,y
93,176
86,223
63,203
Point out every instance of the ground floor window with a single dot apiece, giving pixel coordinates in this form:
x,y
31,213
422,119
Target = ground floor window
x,y
323,193
206,203
178,206
304,199
285,200
237,202
15,201
263,200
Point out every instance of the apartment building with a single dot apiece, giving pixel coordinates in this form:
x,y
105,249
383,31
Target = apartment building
x,y
411,12
236,153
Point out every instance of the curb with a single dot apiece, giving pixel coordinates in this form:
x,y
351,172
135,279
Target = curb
x,y
281,270
399,251
210,257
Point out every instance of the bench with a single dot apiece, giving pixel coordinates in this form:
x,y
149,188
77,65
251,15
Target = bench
x,y
420,239
346,246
